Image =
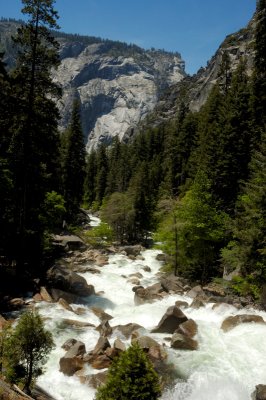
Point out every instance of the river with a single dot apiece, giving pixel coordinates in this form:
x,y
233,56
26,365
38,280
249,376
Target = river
x,y
227,366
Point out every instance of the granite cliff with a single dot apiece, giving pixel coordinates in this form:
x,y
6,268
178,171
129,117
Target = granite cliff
x,y
117,84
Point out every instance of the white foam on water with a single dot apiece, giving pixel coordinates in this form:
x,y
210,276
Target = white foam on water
x,y
227,366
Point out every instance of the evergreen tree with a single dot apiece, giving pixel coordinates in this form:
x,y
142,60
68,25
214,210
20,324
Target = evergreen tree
x,y
34,144
197,232
259,74
27,349
73,163
247,250
102,172
130,377
6,179
90,178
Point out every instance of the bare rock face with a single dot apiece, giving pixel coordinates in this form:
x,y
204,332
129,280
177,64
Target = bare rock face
x,y
116,91
231,322
170,321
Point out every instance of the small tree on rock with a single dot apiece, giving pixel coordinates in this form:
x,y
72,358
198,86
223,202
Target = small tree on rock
x,y
131,377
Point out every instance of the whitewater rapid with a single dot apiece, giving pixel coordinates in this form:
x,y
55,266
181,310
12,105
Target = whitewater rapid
x,y
227,366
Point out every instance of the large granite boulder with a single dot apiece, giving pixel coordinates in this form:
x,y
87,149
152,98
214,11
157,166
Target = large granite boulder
x,y
170,320
183,342
128,329
104,329
171,284
260,393
148,294
188,328
73,359
154,350
101,314
231,322
62,278
69,242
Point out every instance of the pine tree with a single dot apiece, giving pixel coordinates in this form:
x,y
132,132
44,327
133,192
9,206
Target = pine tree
x,y
90,178
259,74
247,250
130,377
102,172
73,163
34,143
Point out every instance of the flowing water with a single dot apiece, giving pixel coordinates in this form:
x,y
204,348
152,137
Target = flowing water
x,y
227,366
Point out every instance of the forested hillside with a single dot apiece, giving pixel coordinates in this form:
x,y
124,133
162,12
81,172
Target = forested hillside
x,y
198,179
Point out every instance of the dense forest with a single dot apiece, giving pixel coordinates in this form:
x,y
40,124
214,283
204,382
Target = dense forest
x,y
198,181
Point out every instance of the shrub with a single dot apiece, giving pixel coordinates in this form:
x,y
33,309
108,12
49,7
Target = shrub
x,y
131,377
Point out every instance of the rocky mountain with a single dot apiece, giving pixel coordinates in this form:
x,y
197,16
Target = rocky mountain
x,y
194,90
117,84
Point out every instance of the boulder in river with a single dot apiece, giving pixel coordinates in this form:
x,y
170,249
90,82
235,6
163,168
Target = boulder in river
x,y
153,349
260,393
233,321
94,380
170,320
73,359
148,294
188,328
128,329
64,279
102,315
69,242
171,284
183,342
195,292
101,345
104,329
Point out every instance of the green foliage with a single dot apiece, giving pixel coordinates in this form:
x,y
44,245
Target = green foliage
x,y
246,286
193,231
53,211
33,149
118,211
247,250
27,348
100,235
130,377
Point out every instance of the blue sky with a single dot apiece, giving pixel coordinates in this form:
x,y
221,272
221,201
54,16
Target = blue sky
x,y
195,28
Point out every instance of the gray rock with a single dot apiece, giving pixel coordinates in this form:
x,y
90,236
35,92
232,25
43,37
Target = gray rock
x,y
73,359
63,279
170,320
183,342
259,393
231,322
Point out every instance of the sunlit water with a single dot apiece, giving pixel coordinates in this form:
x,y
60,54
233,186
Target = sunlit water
x,y
227,366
